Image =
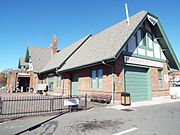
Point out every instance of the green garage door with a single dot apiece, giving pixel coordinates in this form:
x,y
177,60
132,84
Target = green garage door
x,y
137,83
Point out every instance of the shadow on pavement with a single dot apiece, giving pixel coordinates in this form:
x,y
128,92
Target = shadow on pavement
x,y
39,124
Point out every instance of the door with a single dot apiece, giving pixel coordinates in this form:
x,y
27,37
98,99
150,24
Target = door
x,y
137,83
74,85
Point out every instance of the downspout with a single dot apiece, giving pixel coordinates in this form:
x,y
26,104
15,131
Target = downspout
x,y
62,87
113,85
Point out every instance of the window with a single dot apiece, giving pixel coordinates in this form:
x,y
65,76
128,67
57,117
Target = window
x,y
100,78
93,85
150,40
160,79
58,81
141,37
132,44
50,84
45,81
97,79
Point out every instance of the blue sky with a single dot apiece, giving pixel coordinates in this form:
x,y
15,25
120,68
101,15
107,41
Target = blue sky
x,y
33,22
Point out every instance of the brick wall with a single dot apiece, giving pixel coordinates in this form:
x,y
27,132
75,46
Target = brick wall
x,y
155,82
67,84
84,80
13,77
119,78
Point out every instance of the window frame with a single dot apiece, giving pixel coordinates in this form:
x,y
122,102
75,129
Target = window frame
x,y
58,81
160,79
96,79
50,84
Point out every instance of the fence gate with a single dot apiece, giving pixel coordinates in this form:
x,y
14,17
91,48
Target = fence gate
x,y
14,107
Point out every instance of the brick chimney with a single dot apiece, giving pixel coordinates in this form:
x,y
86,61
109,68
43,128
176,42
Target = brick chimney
x,y
54,45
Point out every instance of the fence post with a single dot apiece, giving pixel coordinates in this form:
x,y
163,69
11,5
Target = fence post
x,y
51,103
86,102
1,105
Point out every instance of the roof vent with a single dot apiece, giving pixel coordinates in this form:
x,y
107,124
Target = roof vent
x,y
127,14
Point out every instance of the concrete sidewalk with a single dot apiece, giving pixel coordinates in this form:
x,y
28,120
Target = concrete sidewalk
x,y
155,101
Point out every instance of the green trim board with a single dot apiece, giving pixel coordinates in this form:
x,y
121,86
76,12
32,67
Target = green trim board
x,y
149,58
169,47
145,45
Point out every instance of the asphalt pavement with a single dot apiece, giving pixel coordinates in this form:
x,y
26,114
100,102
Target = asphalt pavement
x,y
162,119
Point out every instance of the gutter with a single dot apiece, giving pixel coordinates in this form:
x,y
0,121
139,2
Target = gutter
x,y
49,70
86,65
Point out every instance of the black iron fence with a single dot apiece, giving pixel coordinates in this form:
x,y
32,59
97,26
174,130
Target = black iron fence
x,y
14,107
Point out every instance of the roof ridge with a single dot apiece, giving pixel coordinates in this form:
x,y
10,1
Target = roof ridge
x,y
71,45
84,39
109,27
33,46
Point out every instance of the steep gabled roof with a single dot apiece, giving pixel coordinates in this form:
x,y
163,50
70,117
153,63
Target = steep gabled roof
x,y
39,57
108,44
166,46
104,45
59,58
22,62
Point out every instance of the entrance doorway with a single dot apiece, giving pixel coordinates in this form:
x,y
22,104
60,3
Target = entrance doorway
x,y
24,83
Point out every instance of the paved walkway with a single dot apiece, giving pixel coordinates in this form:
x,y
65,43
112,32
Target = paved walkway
x,y
155,101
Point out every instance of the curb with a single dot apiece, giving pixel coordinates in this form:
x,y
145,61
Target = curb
x,y
157,101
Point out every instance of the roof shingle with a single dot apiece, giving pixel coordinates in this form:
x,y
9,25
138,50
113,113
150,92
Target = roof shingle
x,y
105,44
39,57
61,56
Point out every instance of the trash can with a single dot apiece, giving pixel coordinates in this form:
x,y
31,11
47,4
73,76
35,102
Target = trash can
x,y
125,99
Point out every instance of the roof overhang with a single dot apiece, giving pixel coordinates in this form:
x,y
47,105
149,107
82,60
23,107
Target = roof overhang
x,y
166,46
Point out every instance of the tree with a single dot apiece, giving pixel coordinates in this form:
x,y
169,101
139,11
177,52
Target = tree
x,y
3,77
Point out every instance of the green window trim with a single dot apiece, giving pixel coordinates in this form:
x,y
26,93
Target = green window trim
x,y
58,81
96,79
160,79
50,84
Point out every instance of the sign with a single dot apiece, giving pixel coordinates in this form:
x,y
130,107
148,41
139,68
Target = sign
x,y
41,86
139,61
24,74
152,20
71,101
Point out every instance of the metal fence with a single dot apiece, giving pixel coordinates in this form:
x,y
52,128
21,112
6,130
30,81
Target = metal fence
x,y
14,107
